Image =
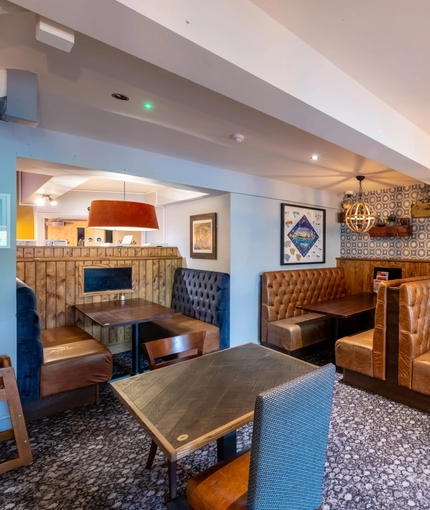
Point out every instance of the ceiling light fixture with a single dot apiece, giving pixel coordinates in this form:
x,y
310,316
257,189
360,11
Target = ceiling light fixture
x,y
122,215
360,217
314,157
147,105
46,200
121,97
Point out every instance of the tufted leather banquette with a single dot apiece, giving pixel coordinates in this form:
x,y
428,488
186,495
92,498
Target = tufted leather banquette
x,y
365,352
285,326
403,318
414,336
203,298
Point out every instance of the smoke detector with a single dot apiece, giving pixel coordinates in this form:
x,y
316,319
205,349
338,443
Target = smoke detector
x,y
238,138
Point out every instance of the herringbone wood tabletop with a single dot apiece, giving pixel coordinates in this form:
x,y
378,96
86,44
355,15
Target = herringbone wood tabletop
x,y
189,404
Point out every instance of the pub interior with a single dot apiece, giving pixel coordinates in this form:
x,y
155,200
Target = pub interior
x,y
313,155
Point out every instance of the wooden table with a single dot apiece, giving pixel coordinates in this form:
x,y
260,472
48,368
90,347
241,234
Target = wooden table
x,y
190,404
109,314
343,308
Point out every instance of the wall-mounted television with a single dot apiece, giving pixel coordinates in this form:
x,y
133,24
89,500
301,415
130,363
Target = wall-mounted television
x,y
107,279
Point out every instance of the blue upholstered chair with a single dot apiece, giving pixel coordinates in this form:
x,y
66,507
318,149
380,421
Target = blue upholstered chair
x,y
285,468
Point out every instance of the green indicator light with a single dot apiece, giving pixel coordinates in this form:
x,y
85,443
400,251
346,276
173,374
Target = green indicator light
x,y
147,106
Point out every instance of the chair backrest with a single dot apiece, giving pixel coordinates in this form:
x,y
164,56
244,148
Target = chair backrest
x,y
187,346
289,444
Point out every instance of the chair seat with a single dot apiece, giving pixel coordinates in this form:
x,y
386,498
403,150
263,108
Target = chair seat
x,y
223,486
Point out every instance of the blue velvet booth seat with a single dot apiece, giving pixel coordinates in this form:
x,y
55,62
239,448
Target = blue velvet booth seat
x,y
29,347
203,299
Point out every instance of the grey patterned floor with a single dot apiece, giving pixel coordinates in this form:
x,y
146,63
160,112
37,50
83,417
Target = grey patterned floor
x,y
93,458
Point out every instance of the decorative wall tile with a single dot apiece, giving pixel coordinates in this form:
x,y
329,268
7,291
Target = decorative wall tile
x,y
398,201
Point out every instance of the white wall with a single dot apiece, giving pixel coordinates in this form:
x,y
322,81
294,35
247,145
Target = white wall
x,y
177,219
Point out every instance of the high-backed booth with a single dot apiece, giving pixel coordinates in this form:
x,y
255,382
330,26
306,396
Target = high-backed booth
x,y
393,359
282,324
203,300
56,368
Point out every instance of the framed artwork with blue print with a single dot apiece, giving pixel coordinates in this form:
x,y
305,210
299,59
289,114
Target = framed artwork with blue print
x,y
302,235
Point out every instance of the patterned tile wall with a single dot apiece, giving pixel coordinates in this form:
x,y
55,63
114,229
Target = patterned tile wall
x,y
384,202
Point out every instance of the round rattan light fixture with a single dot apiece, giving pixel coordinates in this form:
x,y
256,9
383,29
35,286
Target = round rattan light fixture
x,y
360,217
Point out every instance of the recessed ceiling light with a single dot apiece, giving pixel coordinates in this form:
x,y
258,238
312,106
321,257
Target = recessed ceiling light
x,y
147,105
121,97
314,157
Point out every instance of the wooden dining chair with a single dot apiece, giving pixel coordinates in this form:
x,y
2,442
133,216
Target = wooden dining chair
x,y
285,468
9,394
183,347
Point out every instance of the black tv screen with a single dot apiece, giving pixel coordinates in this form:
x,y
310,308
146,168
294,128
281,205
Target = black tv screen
x,y
102,279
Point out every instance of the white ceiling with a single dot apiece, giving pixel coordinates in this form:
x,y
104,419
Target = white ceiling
x,y
381,45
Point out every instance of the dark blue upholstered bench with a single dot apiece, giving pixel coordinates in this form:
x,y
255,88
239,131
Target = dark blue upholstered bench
x,y
203,298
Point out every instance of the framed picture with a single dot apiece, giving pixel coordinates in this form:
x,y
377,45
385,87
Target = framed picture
x,y
203,236
4,220
302,235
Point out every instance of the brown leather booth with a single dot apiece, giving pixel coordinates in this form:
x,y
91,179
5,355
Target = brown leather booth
x,y
414,336
282,324
365,352
393,359
57,368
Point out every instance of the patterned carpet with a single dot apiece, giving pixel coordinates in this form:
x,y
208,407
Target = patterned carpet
x,y
93,458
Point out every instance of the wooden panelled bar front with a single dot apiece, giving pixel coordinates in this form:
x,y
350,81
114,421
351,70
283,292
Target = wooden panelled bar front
x,y
359,272
55,274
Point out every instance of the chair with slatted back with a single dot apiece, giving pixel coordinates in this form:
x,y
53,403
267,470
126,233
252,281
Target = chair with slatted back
x,y
285,468
177,349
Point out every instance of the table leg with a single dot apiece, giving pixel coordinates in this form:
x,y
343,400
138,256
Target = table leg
x,y
226,446
336,328
171,468
135,350
179,503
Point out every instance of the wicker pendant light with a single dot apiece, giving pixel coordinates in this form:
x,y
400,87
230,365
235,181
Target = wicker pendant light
x,y
360,217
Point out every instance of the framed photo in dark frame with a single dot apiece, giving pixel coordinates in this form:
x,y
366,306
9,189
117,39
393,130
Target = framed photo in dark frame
x,y
203,236
302,235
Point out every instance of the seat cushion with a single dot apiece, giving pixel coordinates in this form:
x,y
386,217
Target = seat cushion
x,y
356,352
421,373
300,331
221,487
72,359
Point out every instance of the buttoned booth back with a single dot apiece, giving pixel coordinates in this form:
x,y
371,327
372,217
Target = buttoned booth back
x,y
282,291
204,295
29,346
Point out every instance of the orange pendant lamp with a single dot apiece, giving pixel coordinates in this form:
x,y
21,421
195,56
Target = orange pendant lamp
x,y
122,215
